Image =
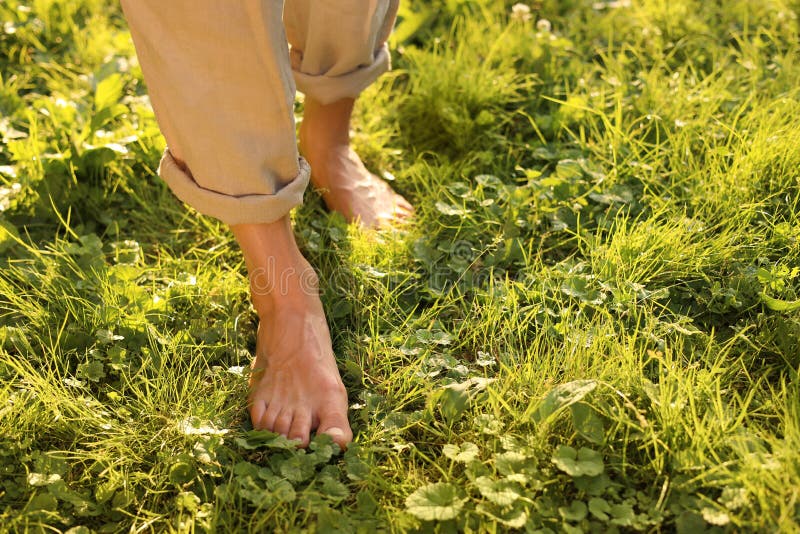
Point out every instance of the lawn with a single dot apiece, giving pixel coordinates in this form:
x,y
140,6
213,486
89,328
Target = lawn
x,y
592,325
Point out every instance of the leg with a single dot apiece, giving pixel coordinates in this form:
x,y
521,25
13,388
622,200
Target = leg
x,y
332,63
221,86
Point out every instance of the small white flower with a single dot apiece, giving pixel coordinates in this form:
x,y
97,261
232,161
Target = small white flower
x,y
543,25
521,12
237,370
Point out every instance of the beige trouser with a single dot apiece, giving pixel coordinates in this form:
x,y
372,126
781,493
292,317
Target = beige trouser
x,y
222,80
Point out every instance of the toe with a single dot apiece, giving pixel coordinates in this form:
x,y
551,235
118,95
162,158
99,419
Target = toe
x,y
283,423
258,408
270,415
402,209
337,427
394,219
404,205
403,212
301,427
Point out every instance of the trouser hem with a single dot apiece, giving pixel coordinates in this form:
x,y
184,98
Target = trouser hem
x,y
328,89
235,209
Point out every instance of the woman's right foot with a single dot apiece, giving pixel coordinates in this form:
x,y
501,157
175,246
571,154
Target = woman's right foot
x,y
295,386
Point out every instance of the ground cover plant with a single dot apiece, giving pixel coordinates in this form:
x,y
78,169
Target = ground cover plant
x,y
593,324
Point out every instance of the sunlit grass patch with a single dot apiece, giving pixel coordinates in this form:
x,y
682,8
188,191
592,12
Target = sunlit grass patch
x,y
592,325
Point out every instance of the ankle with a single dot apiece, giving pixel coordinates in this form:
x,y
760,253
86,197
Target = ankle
x,y
280,277
326,125
289,289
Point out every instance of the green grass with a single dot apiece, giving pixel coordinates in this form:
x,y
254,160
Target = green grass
x,y
591,326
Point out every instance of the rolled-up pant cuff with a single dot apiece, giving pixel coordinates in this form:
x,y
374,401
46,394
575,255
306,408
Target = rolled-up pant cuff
x,y
238,209
327,89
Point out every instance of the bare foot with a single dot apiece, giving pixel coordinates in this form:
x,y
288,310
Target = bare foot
x,y
347,186
295,385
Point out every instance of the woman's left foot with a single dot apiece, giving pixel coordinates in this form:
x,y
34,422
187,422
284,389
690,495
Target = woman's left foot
x,y
347,186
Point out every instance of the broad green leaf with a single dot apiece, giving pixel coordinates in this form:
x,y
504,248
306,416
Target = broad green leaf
x,y
579,287
544,153
449,209
81,506
464,453
587,423
108,91
245,469
181,472
186,500
519,478
689,522
595,486
322,449
510,462
105,337
105,490
569,169
297,468
599,508
43,501
575,512
562,396
500,492
436,502
485,360
513,517
622,515
551,181
488,424
609,198
276,490
355,466
342,308
330,521
258,496
334,490
590,461
366,502
265,473
433,337
50,462
453,399
106,115
225,492
281,489
203,452
583,462
94,370
255,439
